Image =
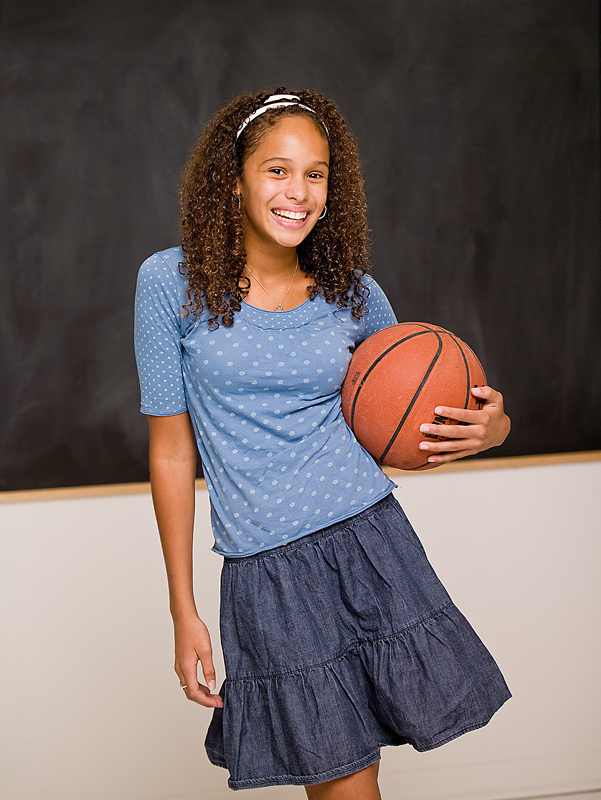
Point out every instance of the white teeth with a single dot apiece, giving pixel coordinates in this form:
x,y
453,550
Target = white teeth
x,y
291,214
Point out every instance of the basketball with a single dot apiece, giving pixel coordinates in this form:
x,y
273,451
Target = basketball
x,y
396,378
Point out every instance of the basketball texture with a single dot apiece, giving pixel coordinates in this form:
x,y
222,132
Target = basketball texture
x,y
396,379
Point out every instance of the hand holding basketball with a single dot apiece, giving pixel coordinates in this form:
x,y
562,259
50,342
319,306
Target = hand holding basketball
x,y
413,384
488,427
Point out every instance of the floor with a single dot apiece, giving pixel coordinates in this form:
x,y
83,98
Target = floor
x,y
579,796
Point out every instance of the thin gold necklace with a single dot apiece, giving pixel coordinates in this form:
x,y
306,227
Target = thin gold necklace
x,y
279,306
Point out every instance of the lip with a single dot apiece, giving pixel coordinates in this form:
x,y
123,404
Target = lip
x,y
279,215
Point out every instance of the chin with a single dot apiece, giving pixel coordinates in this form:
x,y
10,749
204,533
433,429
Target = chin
x,y
292,240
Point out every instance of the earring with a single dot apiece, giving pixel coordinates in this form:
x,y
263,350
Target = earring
x,y
239,200
323,213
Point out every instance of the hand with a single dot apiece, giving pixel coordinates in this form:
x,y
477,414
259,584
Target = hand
x,y
479,430
193,644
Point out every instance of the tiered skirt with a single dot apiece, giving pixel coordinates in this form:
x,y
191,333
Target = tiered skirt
x,y
336,644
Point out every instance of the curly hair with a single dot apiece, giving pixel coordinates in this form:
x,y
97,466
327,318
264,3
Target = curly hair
x,y
335,253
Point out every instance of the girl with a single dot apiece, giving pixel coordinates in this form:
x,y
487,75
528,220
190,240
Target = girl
x,y
337,636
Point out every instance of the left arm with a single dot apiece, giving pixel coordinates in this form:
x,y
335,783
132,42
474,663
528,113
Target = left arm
x,y
488,427
480,430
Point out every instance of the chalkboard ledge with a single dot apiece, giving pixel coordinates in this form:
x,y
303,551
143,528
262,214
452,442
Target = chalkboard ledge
x,y
509,462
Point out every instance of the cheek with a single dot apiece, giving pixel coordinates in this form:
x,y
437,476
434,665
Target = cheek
x,y
257,195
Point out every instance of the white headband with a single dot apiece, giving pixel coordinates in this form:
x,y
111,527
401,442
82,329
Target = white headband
x,y
276,101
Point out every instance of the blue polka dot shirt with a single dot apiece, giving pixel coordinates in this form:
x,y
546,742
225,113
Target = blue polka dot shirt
x,y
264,399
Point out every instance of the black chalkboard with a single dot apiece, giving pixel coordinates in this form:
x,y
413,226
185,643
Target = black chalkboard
x,y
478,124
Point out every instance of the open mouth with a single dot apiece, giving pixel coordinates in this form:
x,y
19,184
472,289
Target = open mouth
x,y
290,216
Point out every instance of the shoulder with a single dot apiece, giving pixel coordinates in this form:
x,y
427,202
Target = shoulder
x,y
161,288
371,290
380,313
160,280
163,267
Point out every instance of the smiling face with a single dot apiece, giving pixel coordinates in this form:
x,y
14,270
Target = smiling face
x,y
284,186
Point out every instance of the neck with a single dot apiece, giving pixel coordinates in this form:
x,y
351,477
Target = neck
x,y
270,259
271,268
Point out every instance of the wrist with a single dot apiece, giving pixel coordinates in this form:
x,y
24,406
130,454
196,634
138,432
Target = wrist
x,y
504,433
182,612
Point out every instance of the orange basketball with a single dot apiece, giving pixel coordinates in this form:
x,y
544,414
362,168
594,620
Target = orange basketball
x,y
396,379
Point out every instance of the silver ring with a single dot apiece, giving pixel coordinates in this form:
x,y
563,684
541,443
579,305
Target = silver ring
x,y
183,685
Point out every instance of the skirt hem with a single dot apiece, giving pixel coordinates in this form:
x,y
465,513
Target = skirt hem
x,y
336,772
298,780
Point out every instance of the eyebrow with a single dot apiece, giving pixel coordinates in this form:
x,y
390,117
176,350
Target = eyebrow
x,y
289,160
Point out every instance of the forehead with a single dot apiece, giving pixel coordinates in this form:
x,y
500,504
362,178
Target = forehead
x,y
292,133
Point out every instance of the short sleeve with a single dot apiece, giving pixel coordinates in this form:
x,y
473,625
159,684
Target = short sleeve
x,y
157,339
380,314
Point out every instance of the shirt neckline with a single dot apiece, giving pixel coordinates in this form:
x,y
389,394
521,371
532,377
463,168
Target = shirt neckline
x,y
279,320
279,313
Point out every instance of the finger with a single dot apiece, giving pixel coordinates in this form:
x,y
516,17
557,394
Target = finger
x,y
451,446
468,416
432,432
487,393
202,696
205,698
205,656
445,458
208,668
195,691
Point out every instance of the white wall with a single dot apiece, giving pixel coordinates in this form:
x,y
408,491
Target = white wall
x,y
91,709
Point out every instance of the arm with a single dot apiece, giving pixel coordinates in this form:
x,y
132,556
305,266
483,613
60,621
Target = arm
x,y
172,473
488,427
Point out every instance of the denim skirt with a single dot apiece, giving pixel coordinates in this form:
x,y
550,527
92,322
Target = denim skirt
x,y
336,644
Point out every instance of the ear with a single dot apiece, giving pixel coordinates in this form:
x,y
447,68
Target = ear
x,y
238,189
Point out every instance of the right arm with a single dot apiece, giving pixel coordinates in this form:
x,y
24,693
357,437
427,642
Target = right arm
x,y
172,473
160,293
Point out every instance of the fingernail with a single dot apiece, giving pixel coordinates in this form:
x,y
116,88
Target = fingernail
x,y
424,428
438,410
423,445
212,685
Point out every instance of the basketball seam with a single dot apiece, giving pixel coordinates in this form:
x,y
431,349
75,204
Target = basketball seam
x,y
467,370
373,366
415,396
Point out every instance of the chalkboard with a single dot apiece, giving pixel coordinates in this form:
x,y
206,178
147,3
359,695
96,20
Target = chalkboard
x,y
478,125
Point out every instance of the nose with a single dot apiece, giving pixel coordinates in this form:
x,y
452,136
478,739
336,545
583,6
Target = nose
x,y
297,189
